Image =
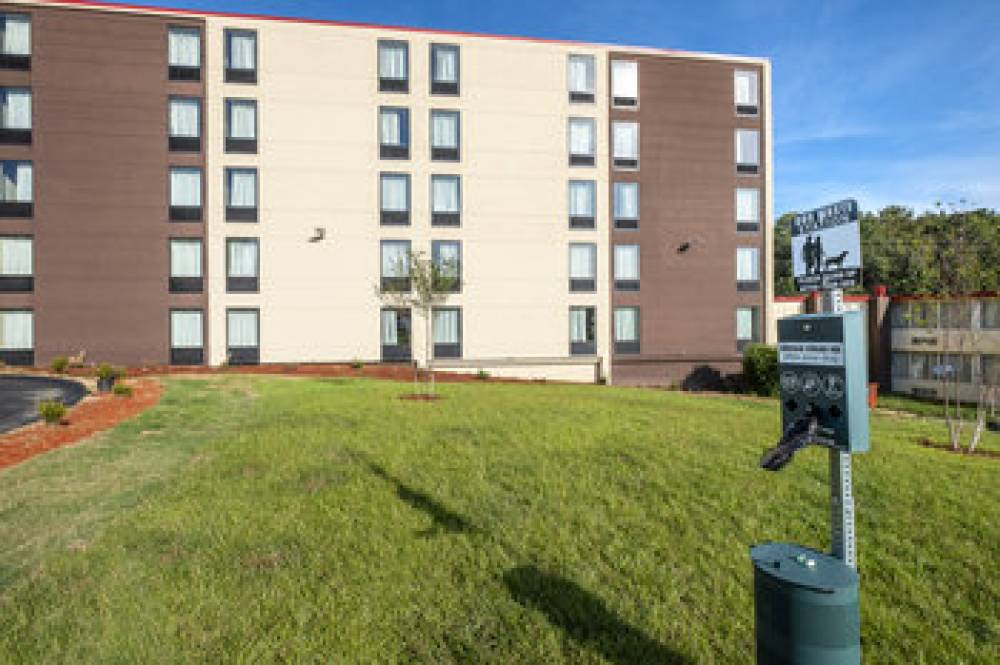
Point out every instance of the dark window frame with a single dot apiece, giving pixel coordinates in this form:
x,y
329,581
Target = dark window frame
x,y
19,283
243,355
185,284
742,344
746,168
623,103
16,61
625,163
186,355
747,110
589,347
16,136
184,73
579,96
579,159
20,357
399,151
186,143
241,145
18,209
626,285
241,213
625,223
435,259
446,218
580,221
185,213
242,284
632,346
448,351
397,352
580,284
395,217
446,154
446,88
394,284
394,85
239,75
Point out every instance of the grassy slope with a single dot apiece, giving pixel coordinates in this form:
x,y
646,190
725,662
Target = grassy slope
x,y
325,520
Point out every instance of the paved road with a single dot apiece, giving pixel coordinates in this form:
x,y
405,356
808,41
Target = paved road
x,y
20,395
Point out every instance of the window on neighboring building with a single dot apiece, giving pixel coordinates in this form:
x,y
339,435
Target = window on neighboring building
x,y
394,132
393,66
445,136
990,314
241,56
747,326
582,331
186,265
185,124
241,194
624,83
582,142
747,269
581,78
582,196
242,265
447,258
626,267
447,326
15,116
16,192
187,337
746,92
185,193
626,330
243,336
183,53
747,151
17,337
396,334
444,69
747,209
395,265
956,314
394,198
16,264
626,203
954,367
924,314
241,125
989,366
626,144
582,267
446,200
15,41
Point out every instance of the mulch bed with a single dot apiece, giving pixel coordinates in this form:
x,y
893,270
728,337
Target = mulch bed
x,y
420,397
979,452
95,413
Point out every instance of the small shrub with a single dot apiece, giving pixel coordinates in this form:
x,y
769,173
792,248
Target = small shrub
x,y
59,364
760,369
122,390
482,375
52,412
357,364
105,371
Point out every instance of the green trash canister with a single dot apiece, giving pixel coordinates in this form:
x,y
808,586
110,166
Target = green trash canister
x,y
806,607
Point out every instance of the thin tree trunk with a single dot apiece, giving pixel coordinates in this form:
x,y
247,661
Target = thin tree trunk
x,y
429,349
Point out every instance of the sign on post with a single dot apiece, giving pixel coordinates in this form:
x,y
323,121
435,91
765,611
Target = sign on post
x,y
826,247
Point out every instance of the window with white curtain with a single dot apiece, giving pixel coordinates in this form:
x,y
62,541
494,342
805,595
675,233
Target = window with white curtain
x,y
15,36
625,144
185,257
626,267
747,150
581,75
242,327
17,330
582,195
447,258
747,208
394,198
393,66
241,119
243,258
394,132
745,92
183,47
582,141
746,325
582,266
444,69
626,203
446,323
626,329
17,182
747,265
15,108
187,329
185,186
241,50
390,327
624,83
241,187
446,194
445,135
16,256
395,265
185,117
582,330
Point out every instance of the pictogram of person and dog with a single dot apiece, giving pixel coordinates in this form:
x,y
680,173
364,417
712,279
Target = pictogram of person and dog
x,y
815,258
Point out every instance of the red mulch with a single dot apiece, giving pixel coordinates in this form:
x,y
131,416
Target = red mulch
x,y
420,397
95,413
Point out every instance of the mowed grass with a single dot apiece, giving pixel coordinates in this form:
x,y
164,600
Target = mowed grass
x,y
262,519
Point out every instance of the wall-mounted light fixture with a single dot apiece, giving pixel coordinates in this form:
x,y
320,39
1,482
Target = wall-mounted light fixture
x,y
684,247
318,234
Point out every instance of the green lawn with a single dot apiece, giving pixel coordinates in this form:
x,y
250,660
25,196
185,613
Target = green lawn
x,y
260,519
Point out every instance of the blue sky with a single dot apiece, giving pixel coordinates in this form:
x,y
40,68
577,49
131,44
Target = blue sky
x,y
891,101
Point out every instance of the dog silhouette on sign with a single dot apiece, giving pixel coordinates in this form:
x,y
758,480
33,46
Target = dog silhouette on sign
x,y
836,261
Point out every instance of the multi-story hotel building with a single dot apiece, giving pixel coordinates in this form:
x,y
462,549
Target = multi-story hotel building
x,y
199,188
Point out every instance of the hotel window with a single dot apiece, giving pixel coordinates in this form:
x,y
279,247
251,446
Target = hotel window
x,y
185,194
187,337
746,327
396,334
243,336
242,265
393,66
626,195
747,269
185,124
15,41
582,195
747,151
447,325
445,136
445,61
241,194
395,265
446,200
745,93
16,264
394,198
581,78
185,265
625,144
626,267
447,258
747,209
241,125
17,337
241,56
626,330
582,329
16,195
582,267
624,83
15,116
582,141
183,53
394,132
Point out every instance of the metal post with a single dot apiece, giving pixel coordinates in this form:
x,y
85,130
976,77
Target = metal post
x,y
844,546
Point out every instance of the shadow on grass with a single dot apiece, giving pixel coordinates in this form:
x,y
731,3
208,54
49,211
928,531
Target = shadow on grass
x,y
444,519
586,619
